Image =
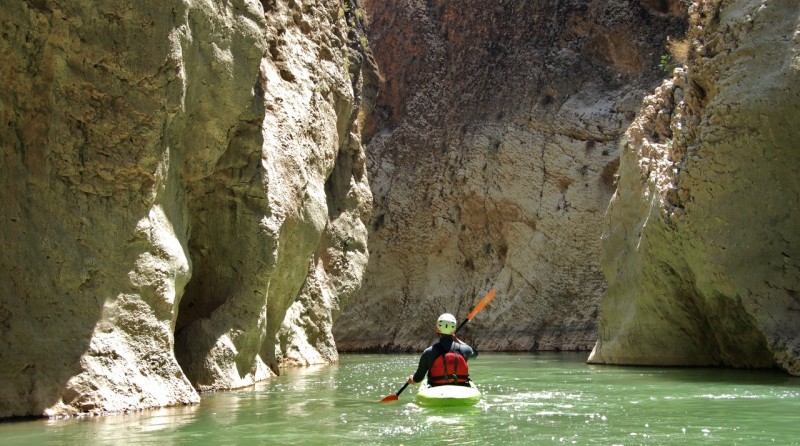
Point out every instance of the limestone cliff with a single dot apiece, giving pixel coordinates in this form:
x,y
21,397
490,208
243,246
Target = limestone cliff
x,y
492,160
702,238
183,195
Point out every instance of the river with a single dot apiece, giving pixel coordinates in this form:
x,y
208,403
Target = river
x,y
549,398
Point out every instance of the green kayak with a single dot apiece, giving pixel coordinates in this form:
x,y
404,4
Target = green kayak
x,y
448,395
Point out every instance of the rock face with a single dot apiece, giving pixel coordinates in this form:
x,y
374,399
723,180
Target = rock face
x,y
492,160
702,238
183,195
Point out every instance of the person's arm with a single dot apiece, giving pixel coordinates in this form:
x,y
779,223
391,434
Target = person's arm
x,y
422,369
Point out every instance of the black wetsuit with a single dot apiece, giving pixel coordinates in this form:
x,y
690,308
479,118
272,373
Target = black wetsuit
x,y
445,344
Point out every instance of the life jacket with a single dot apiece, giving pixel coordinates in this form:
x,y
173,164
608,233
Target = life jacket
x,y
449,368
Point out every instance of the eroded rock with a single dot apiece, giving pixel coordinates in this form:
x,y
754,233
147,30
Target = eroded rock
x,y
701,240
492,160
172,173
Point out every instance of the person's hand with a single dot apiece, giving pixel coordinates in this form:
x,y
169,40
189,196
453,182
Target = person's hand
x,y
410,379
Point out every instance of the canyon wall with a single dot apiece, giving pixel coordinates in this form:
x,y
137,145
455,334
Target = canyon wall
x,y
702,238
183,195
492,158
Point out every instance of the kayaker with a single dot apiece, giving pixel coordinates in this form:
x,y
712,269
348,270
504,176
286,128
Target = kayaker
x,y
446,361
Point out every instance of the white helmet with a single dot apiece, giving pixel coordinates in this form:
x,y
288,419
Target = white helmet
x,y
446,324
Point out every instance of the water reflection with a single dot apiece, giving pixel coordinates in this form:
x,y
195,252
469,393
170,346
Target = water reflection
x,y
153,426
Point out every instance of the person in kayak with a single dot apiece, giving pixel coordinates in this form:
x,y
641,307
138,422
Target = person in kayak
x,y
446,361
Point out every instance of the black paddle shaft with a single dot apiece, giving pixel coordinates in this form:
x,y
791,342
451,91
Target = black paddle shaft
x,y
402,388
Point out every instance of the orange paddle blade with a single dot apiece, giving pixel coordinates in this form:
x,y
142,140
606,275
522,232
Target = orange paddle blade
x,y
394,397
486,299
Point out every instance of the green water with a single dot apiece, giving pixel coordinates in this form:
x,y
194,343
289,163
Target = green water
x,y
528,399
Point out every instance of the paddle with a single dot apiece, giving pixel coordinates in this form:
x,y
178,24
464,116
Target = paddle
x,y
394,396
485,300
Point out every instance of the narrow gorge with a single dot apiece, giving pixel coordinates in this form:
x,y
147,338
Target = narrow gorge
x,y
197,193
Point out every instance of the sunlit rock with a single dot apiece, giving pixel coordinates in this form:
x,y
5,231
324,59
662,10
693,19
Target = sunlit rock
x,y
492,160
172,173
702,238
